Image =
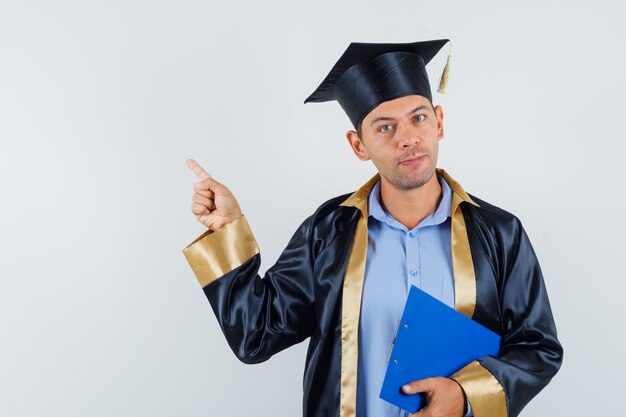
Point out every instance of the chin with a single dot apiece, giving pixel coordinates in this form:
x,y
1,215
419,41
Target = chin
x,y
411,182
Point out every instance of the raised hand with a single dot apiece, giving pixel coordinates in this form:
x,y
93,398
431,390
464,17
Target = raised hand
x,y
212,203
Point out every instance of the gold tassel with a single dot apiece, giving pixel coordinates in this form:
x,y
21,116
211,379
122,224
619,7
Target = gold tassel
x,y
443,81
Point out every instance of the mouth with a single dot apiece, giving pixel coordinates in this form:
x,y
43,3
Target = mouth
x,y
413,160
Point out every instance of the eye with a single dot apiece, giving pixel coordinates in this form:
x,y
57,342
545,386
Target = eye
x,y
419,117
385,128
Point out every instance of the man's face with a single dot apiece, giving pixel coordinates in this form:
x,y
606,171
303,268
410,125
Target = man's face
x,y
401,137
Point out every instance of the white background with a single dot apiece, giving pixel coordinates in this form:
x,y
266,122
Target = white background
x,y
102,102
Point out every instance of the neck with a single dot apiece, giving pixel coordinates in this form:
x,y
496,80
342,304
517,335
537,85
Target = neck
x,y
410,207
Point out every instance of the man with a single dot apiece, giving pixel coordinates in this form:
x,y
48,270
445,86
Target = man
x,y
343,278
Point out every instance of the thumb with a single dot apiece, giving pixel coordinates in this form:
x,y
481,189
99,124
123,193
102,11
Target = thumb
x,y
211,184
422,385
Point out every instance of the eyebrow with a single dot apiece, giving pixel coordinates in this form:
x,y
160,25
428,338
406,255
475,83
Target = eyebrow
x,y
378,119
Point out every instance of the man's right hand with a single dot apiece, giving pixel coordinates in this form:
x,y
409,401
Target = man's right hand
x,y
212,203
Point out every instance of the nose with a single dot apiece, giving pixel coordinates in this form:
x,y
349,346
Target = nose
x,y
408,135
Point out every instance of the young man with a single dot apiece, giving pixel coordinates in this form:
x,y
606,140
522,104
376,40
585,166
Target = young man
x,y
344,276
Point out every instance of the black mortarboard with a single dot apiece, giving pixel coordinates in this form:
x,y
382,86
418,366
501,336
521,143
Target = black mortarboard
x,y
369,73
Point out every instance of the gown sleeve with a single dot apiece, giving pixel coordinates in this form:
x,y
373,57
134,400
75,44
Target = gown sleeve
x,y
258,316
530,353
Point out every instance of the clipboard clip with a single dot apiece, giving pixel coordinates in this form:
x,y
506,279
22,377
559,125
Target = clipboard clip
x,y
394,341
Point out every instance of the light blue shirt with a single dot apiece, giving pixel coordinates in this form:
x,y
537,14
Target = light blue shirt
x,y
396,259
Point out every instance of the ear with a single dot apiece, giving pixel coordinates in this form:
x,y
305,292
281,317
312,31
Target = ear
x,y
357,145
439,113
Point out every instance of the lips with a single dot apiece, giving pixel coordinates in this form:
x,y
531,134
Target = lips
x,y
413,160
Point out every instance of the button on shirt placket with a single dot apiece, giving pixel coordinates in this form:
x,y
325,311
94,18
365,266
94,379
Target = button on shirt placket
x,y
414,276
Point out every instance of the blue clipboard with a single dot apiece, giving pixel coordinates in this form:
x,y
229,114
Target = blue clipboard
x,y
432,339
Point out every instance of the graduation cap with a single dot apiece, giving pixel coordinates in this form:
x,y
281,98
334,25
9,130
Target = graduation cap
x,y
368,74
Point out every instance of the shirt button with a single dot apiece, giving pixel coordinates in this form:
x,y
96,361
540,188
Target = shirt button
x,y
411,234
413,272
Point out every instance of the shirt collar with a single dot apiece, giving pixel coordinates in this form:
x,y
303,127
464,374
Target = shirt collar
x,y
438,216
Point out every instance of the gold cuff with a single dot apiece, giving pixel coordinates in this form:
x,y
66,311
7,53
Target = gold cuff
x,y
214,254
483,391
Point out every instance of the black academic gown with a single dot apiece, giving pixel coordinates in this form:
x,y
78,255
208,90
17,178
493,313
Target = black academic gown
x,y
314,291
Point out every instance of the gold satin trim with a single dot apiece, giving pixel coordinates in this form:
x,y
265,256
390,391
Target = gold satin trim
x,y
351,303
359,197
456,189
484,392
214,254
465,283
462,263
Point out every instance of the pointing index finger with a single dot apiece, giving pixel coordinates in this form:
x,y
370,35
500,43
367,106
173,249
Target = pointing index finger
x,y
198,170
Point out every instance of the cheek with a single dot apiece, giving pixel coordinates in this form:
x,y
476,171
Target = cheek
x,y
383,160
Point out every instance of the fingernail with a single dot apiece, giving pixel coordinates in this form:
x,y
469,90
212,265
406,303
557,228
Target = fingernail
x,y
407,388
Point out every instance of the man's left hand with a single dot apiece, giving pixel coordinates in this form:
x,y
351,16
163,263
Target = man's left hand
x,y
444,397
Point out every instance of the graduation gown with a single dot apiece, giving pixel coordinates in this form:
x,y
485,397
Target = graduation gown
x,y
314,291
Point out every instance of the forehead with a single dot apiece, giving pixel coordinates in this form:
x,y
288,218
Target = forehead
x,y
397,107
